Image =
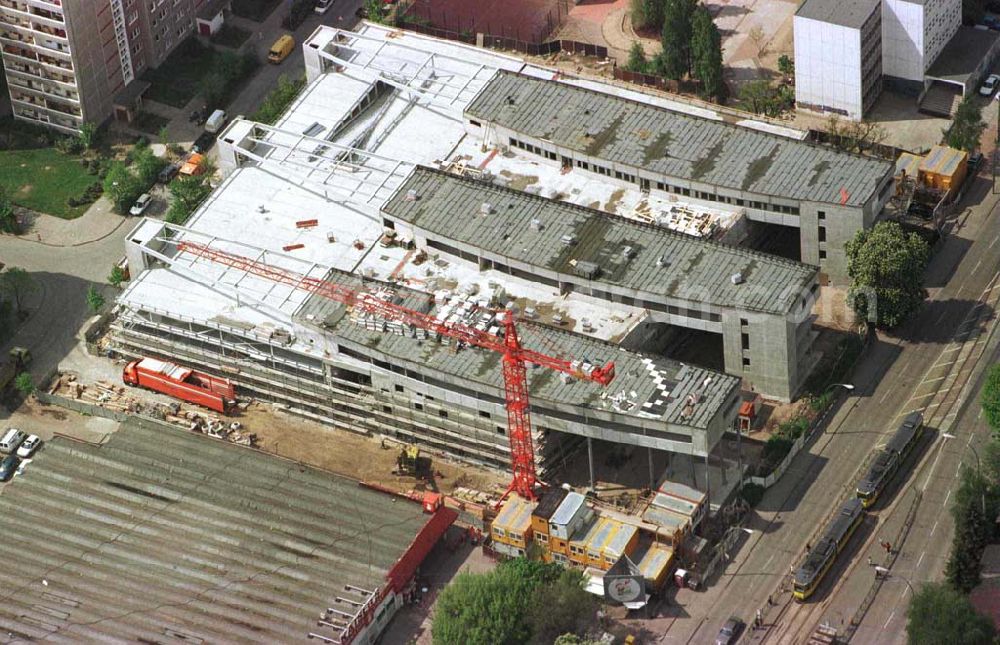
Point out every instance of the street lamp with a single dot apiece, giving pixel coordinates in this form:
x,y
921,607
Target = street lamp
x,y
846,386
979,470
882,572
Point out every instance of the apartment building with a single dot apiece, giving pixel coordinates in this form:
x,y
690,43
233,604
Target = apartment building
x,y
73,61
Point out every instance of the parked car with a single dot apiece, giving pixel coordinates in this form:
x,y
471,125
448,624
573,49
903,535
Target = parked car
x,y
11,440
322,6
975,161
215,122
193,165
203,143
29,446
199,116
990,86
8,467
140,205
991,21
168,173
730,632
281,48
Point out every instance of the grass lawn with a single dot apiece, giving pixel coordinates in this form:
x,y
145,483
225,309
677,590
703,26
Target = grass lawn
x,y
43,179
175,82
150,123
256,10
231,36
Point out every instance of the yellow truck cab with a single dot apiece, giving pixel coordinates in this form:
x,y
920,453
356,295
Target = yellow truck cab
x,y
281,49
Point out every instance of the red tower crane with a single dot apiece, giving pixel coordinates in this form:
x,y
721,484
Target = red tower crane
x,y
509,346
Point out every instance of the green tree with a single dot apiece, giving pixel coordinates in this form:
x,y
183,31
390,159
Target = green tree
x,y
278,100
24,383
491,607
647,14
573,639
967,126
759,97
786,65
706,54
121,186
18,284
886,267
163,136
186,193
147,166
637,59
95,300
117,276
938,614
562,607
8,218
87,132
976,503
675,59
989,398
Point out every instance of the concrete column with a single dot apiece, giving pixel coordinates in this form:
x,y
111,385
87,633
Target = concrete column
x,y
652,478
590,461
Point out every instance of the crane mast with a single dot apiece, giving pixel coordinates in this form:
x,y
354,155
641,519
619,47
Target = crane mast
x,y
525,478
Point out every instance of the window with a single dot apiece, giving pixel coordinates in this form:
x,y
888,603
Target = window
x,y
418,406
822,254
746,362
443,414
745,340
822,234
744,322
820,215
475,123
387,409
399,388
541,538
501,430
484,414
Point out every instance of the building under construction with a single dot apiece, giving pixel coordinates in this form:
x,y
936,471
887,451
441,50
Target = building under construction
x,y
378,180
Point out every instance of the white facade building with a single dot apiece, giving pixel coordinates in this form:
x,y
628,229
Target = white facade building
x,y
914,32
843,50
838,56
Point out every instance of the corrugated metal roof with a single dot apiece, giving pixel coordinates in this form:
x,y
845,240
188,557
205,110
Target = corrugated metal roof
x,y
160,534
634,373
673,144
568,508
660,263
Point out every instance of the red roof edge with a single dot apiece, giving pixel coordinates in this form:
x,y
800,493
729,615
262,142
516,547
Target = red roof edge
x,y
405,568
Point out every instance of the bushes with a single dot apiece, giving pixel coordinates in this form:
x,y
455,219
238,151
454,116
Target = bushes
x,y
227,71
90,195
275,104
297,14
186,194
752,494
780,444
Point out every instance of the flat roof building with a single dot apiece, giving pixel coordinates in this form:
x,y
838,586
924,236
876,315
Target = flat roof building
x,y
162,534
325,193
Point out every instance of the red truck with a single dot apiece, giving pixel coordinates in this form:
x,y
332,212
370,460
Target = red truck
x,y
181,382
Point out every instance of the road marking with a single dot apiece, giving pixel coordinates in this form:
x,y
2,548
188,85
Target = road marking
x,y
921,559
941,317
885,396
889,619
994,241
933,528
980,415
976,268
945,503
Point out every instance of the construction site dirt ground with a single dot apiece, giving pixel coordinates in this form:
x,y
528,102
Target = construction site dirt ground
x,y
355,455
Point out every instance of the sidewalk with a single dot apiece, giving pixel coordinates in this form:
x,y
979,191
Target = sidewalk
x,y
95,224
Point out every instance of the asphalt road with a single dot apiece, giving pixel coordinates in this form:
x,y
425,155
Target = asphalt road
x,y
798,506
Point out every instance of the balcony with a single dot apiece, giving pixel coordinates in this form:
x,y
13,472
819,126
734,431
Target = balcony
x,y
52,45
20,52
55,62
14,6
11,18
59,123
41,90
14,36
44,14
55,32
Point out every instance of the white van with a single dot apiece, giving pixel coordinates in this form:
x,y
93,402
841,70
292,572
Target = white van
x,y
11,440
215,121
